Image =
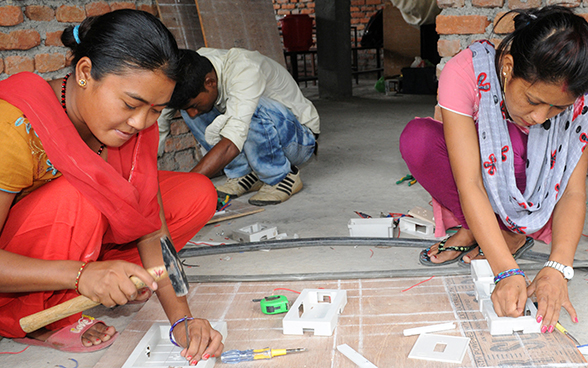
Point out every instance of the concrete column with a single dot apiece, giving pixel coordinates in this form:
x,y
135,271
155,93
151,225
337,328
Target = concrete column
x,y
333,37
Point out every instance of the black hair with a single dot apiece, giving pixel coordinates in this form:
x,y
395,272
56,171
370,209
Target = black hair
x,y
548,45
193,71
121,40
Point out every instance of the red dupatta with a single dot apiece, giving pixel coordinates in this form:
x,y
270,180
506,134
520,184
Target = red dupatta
x,y
124,189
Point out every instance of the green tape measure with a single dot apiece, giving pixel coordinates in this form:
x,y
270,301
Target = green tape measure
x,y
274,304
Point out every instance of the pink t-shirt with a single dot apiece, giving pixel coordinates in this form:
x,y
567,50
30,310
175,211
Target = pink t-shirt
x,y
458,91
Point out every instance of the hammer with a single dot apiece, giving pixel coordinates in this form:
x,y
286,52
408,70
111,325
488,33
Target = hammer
x,y
173,268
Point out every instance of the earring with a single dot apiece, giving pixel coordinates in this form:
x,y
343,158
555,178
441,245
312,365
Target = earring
x,y
82,83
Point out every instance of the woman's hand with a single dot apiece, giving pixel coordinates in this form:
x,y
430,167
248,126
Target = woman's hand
x,y
510,296
551,290
109,282
205,342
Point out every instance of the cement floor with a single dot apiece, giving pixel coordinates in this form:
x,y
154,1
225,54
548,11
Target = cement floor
x,y
356,170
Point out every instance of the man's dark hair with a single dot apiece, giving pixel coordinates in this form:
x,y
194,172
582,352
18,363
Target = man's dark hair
x,y
193,70
549,45
121,40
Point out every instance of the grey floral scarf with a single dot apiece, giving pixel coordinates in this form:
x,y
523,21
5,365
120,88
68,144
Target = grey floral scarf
x,y
553,151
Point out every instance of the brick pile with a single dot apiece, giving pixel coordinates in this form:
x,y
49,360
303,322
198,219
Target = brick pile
x,y
462,22
30,32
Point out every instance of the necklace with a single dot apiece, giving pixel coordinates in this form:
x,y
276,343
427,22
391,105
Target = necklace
x,y
63,85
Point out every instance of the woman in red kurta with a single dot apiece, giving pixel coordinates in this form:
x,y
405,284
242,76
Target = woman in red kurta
x,y
82,204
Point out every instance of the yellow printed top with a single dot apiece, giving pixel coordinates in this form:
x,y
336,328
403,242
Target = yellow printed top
x,y
25,166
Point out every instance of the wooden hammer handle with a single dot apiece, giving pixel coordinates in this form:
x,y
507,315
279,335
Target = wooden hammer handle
x,y
78,304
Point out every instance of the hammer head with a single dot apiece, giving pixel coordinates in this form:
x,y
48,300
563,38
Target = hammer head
x,y
174,267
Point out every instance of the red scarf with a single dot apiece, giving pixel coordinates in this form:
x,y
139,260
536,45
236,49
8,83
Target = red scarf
x,y
124,189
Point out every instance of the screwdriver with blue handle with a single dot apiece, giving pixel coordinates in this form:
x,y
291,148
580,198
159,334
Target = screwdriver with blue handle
x,y
236,356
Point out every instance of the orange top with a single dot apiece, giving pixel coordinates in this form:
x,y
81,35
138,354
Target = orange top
x,y
25,166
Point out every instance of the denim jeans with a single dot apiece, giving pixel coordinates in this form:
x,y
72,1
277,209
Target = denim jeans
x,y
275,142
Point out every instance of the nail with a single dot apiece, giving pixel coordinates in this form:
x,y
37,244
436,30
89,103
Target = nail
x,y
576,319
193,362
550,329
212,356
543,329
539,319
206,356
189,357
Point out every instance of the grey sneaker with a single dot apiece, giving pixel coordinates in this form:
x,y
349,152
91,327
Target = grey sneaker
x,y
238,186
274,194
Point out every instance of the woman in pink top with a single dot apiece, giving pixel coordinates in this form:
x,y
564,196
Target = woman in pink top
x,y
508,160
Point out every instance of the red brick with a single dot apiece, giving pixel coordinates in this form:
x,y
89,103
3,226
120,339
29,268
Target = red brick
x,y
53,38
488,3
566,3
450,3
97,8
307,11
461,24
122,5
70,14
22,39
523,4
373,2
283,12
17,64
152,9
448,48
178,127
10,16
40,13
289,6
1,65
357,2
178,143
49,62
506,25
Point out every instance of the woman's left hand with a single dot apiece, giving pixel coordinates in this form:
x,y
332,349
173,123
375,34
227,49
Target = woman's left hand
x,y
551,290
205,342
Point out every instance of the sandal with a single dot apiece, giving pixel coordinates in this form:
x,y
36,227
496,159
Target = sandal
x,y
425,260
69,338
529,243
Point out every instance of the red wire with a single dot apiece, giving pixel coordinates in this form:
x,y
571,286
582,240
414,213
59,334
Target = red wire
x,y
294,291
15,352
417,284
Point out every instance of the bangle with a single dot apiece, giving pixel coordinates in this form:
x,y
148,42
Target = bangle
x,y
171,330
77,285
504,274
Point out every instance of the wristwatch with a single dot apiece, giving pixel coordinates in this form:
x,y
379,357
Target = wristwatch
x,y
567,271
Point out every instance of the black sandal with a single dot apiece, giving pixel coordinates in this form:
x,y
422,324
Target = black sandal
x,y
425,260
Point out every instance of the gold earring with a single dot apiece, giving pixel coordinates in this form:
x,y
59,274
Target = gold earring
x,y
82,83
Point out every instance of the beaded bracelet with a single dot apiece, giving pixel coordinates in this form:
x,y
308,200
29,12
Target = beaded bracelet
x,y
504,274
171,330
78,276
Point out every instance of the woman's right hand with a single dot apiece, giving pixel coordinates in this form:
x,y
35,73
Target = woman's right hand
x,y
108,282
510,296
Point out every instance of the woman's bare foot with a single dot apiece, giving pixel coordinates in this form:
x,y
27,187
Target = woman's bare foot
x,y
463,238
514,242
95,335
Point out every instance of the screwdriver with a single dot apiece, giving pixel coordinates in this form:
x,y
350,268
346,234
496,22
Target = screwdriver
x,y
236,356
561,329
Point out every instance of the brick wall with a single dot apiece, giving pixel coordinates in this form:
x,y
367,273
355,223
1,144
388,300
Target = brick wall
x,y
30,32
462,22
361,11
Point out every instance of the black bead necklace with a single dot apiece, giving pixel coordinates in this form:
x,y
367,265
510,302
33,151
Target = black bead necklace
x,y
63,84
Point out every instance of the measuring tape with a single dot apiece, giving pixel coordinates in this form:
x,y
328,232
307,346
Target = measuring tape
x,y
274,304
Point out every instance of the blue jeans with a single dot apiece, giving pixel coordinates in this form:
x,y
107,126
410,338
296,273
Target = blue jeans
x,y
275,142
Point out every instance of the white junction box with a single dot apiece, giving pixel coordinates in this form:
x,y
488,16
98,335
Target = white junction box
x,y
155,350
254,233
484,285
418,227
372,227
317,310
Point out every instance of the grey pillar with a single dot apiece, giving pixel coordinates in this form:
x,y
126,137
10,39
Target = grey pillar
x,y
333,37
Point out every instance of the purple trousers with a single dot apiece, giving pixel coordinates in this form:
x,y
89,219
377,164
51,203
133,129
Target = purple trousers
x,y
423,148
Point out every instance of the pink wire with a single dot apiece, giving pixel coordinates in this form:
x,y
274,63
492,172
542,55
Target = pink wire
x,y
417,284
15,352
